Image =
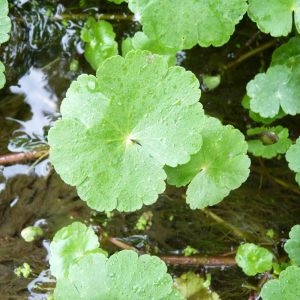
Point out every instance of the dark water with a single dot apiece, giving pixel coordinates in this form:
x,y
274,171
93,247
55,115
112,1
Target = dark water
x,y
38,57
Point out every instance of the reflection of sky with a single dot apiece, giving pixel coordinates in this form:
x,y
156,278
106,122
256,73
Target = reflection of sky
x,y
42,101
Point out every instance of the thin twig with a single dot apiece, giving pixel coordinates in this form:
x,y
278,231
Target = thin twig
x,y
21,157
120,244
234,230
249,54
83,16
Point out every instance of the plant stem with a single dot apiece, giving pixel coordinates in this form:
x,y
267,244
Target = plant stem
x,y
83,16
21,157
234,230
216,261
249,54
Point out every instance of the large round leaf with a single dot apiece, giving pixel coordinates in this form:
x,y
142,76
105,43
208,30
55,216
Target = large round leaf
x,y
118,130
293,158
190,22
219,167
292,245
5,23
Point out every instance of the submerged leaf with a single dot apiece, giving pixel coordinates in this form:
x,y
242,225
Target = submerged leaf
x,y
219,167
253,259
292,246
285,288
147,117
275,18
278,138
190,22
293,158
100,41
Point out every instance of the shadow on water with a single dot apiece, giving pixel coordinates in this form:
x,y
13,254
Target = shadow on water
x,y
37,59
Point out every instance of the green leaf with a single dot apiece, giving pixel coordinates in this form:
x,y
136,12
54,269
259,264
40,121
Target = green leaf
x,y
124,275
275,18
219,167
5,24
190,22
69,245
279,141
194,287
253,259
147,117
292,246
257,117
2,76
117,1
285,288
274,89
293,158
141,41
287,54
100,41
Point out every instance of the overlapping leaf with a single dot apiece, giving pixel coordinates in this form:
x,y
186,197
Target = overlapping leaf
x,y
219,167
146,115
68,245
190,22
275,89
82,272
293,158
253,259
275,18
285,288
141,41
292,245
100,41
268,142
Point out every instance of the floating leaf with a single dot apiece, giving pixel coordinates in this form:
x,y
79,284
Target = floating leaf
x,y
194,287
122,276
253,259
257,117
285,288
293,158
274,89
287,54
219,167
190,22
275,18
292,246
259,146
141,41
5,24
69,244
100,41
147,116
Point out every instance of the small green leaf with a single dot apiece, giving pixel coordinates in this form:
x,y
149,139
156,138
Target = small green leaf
x,y
124,275
287,54
274,89
278,137
285,288
5,24
32,233
191,22
68,245
275,18
100,41
253,259
293,158
23,271
141,41
292,246
219,167
117,1
114,150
